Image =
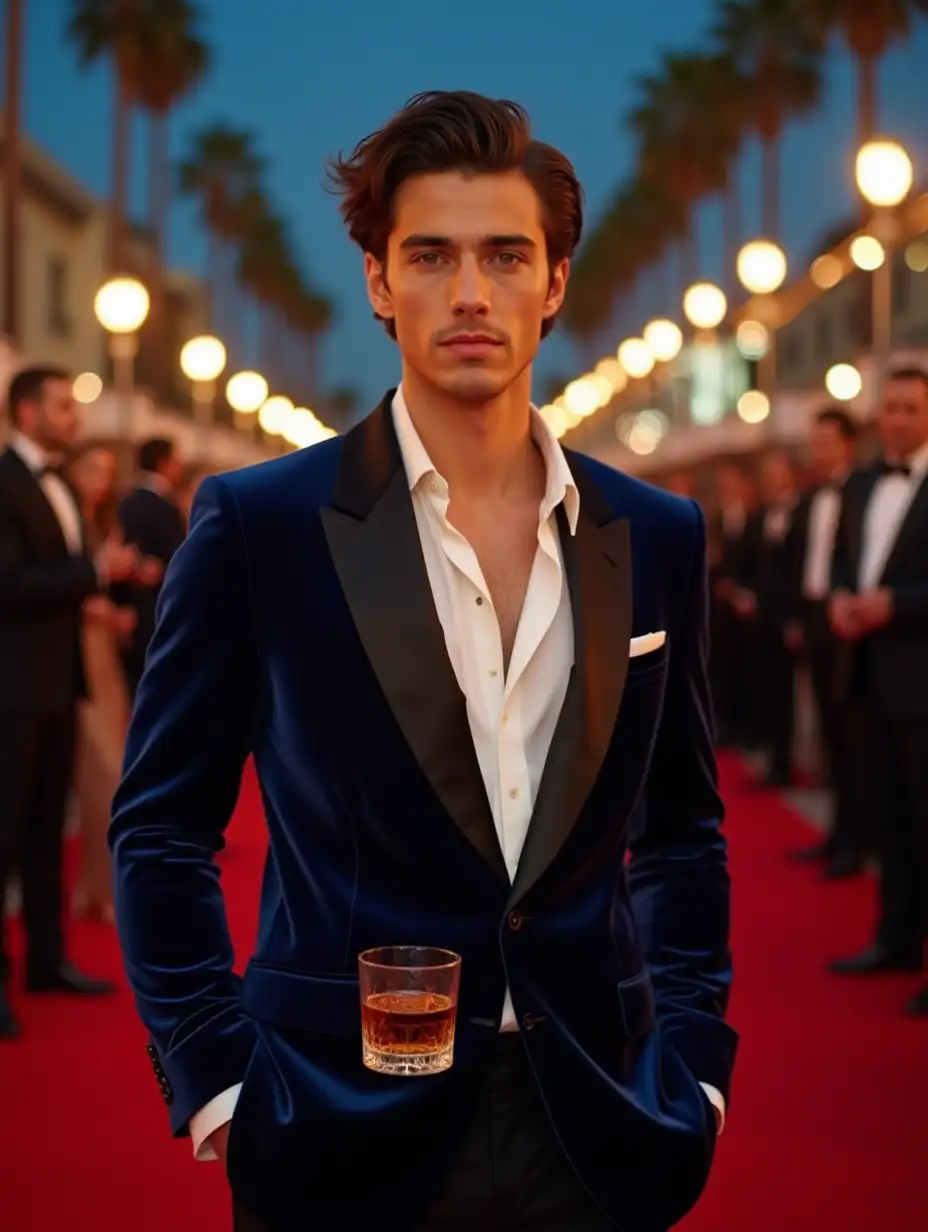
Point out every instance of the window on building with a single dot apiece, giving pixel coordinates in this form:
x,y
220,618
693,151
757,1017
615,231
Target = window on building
x,y
59,318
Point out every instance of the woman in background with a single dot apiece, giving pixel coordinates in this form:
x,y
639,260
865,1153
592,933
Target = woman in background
x,y
104,714
189,488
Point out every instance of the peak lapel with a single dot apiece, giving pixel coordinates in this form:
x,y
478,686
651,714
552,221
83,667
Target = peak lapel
x,y
598,564
374,542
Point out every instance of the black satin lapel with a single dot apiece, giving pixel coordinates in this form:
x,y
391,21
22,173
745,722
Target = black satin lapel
x,y
598,563
916,511
378,559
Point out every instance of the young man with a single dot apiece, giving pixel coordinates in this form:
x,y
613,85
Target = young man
x,y
879,610
467,664
46,573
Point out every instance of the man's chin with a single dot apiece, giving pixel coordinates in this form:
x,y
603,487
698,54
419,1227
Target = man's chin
x,y
474,384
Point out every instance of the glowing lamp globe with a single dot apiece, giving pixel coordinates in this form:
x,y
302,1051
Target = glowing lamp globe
x,y
203,358
121,305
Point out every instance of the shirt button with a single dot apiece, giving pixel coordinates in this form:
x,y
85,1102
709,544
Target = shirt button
x,y
480,600
433,485
513,793
493,672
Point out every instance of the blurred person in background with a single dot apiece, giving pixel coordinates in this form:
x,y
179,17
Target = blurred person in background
x,y
104,712
47,571
809,548
151,520
760,599
879,610
188,488
733,500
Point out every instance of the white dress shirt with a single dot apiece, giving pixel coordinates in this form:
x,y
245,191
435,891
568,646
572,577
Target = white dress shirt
x,y
512,714
823,524
56,491
889,503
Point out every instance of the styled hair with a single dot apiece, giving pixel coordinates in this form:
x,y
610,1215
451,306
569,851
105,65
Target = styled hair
x,y
154,453
909,374
454,130
27,385
839,417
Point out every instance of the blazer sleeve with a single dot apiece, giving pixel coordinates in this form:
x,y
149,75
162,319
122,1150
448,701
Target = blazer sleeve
x,y
196,714
678,872
27,587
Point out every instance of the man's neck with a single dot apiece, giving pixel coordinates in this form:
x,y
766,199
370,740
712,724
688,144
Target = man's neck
x,y
480,449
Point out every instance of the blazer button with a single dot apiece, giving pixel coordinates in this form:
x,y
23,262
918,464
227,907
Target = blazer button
x,y
515,920
528,1021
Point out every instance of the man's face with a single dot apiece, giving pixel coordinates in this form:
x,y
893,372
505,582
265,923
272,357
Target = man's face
x,y
467,282
829,451
52,420
904,417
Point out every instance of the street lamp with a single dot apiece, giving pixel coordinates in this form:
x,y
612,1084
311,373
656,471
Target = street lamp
x,y
636,357
664,339
246,393
705,305
761,267
884,176
843,382
274,415
202,360
121,306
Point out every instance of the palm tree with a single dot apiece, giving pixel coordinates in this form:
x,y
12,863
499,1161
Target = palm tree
x,y
868,28
222,171
639,223
685,147
12,152
777,55
112,29
175,61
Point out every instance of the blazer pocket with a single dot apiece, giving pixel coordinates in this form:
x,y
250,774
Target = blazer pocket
x,y
324,1004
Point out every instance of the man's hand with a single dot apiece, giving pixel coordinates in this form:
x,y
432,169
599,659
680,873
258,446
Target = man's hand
x,y
150,571
875,608
745,603
792,636
843,616
219,1141
116,561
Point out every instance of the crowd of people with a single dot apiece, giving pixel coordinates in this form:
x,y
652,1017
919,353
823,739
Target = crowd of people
x,y
81,561
824,567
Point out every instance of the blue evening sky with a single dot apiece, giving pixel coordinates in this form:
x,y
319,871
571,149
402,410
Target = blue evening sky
x,y
309,78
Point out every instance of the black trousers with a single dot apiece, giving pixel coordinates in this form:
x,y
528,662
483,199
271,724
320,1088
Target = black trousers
x,y
510,1174
821,651
775,668
36,769
893,779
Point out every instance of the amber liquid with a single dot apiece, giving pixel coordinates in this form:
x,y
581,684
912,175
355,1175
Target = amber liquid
x,y
408,1032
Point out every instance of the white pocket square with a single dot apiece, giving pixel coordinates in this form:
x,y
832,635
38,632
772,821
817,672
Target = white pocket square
x,y
646,643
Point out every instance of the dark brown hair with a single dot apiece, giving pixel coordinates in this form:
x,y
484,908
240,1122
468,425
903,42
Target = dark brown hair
x,y
454,130
27,386
908,374
839,417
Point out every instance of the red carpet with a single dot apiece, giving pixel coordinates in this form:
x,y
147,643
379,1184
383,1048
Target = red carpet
x,y
826,1133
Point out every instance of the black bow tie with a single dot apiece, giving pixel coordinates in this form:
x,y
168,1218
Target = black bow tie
x,y
895,468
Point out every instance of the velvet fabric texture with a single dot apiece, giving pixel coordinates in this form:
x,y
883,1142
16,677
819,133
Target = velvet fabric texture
x,y
296,625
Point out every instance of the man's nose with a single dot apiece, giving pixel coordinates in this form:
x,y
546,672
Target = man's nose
x,y
470,290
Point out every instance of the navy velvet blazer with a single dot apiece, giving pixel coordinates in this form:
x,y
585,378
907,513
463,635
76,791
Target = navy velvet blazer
x,y
296,625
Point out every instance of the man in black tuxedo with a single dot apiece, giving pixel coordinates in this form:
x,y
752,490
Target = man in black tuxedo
x,y
760,599
45,575
880,611
729,656
809,547
152,521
